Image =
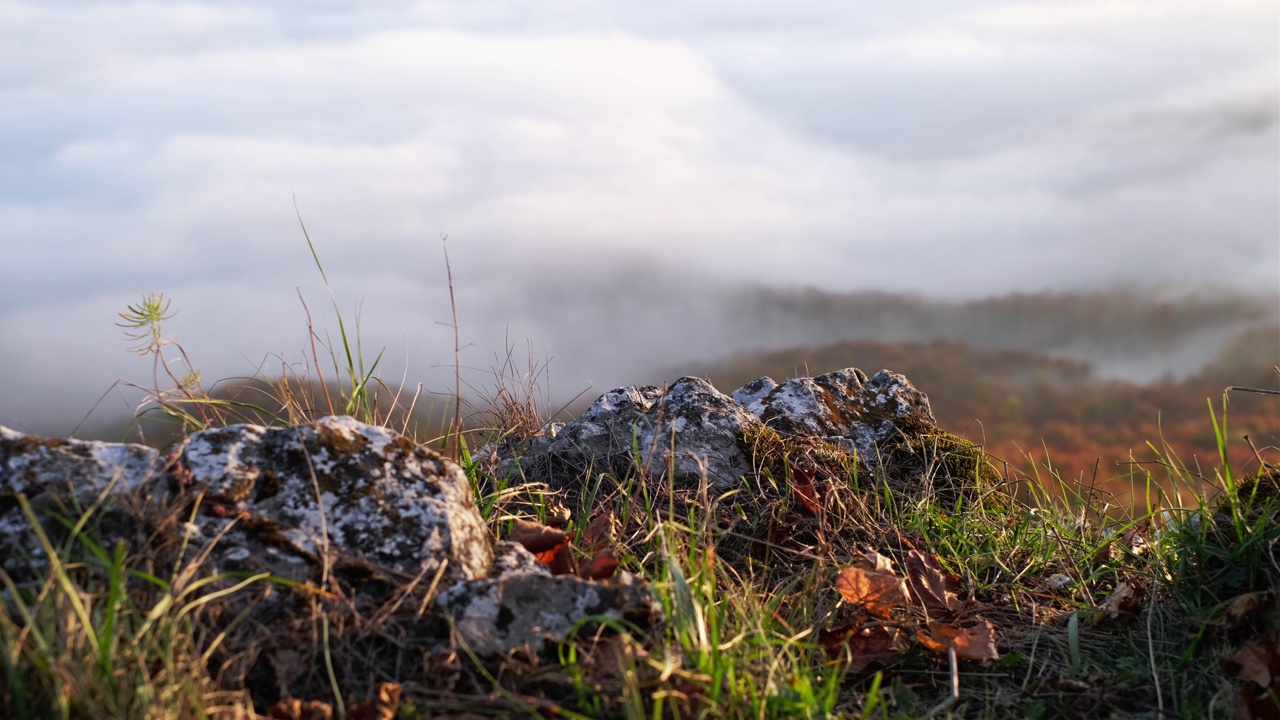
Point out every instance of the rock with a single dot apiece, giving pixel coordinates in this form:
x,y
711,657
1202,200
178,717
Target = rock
x,y
754,390
630,426
284,499
387,500
525,606
848,409
60,475
709,429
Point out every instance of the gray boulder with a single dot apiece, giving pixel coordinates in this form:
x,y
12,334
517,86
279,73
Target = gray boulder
x,y
693,428
283,500
847,409
387,500
637,427
524,606
63,476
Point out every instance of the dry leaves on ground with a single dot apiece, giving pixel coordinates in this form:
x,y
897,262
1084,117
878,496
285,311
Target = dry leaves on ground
x,y
972,643
601,566
536,537
931,588
1123,603
382,706
872,584
600,532
862,646
802,482
1258,663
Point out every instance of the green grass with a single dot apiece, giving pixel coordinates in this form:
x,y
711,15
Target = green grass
x,y
97,634
1096,610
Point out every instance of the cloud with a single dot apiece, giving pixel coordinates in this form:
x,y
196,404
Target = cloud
x,y
955,149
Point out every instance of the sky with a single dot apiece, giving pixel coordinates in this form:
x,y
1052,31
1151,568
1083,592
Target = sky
x,y
594,162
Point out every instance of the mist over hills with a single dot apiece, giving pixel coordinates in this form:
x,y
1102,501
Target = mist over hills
x,y
1053,416
641,324
630,327
1135,335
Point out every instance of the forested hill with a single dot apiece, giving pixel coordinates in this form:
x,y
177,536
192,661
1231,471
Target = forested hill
x,y
1026,407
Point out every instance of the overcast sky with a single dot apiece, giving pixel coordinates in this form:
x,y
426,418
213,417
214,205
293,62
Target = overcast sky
x,y
955,148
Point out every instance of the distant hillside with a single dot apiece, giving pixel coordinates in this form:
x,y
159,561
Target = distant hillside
x,y
1018,402
1138,335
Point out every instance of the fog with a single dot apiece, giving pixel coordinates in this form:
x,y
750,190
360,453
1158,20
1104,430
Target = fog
x,y
625,187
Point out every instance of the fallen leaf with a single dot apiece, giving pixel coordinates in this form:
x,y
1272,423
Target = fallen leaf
x,y
872,584
382,706
971,643
1121,603
1102,555
1259,662
1244,607
861,646
558,515
294,709
873,560
930,587
536,537
601,566
600,531
802,483
1255,704
559,559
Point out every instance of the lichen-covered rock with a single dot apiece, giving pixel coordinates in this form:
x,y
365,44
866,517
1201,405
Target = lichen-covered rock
x,y
525,607
282,500
634,427
60,475
710,430
370,492
847,409
754,390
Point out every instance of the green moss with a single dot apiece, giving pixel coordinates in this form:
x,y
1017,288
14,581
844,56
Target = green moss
x,y
770,450
953,469
1258,489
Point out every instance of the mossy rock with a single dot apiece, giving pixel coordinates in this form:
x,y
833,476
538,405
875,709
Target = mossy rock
x,y
949,470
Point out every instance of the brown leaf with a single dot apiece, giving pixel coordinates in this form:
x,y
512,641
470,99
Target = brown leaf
x,y
1103,555
802,483
601,566
600,531
536,537
1121,603
932,589
1259,662
294,709
971,643
861,646
872,584
1245,607
1255,704
1135,541
558,515
559,559
382,706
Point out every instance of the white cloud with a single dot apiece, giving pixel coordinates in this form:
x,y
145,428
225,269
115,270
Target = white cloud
x,y
950,148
